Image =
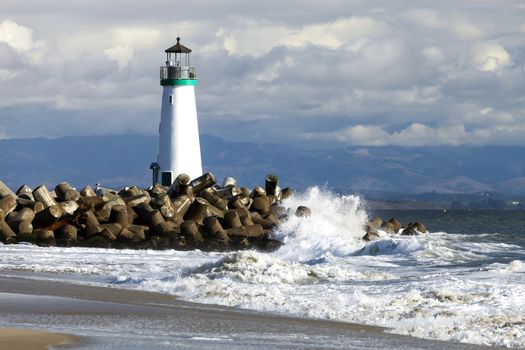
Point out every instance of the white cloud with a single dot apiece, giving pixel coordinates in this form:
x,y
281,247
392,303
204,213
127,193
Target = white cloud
x,y
255,38
490,57
121,54
369,135
452,22
466,29
17,36
418,134
136,38
20,39
445,74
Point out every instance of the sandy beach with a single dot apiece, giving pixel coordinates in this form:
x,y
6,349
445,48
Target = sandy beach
x,y
111,318
24,339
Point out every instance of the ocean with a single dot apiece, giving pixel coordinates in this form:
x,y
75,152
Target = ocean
x,y
463,281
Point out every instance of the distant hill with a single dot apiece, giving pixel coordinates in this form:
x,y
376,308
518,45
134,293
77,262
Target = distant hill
x,y
120,160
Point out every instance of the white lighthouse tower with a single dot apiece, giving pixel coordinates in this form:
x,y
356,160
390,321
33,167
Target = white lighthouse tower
x,y
179,146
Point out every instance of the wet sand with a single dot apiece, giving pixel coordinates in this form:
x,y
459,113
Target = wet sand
x,y
111,318
24,339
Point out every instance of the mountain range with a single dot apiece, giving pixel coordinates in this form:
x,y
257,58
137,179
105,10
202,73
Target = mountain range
x,y
123,160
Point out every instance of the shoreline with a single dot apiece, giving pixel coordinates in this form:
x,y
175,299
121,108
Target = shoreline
x,y
161,321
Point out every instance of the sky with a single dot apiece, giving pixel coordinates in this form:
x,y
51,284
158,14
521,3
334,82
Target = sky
x,y
309,73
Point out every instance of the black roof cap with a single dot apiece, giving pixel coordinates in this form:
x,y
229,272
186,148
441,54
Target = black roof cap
x,y
178,48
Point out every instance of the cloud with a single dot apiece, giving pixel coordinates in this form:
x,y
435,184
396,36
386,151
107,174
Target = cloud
x,y
121,54
418,134
490,57
450,21
337,73
16,36
256,39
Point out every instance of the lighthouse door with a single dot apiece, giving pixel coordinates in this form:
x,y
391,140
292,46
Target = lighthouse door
x,y
166,178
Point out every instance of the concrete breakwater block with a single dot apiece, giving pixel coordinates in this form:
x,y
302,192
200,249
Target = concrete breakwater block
x,y
391,228
190,214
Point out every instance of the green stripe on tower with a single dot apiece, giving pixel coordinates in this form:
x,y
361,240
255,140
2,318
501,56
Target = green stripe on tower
x,y
178,82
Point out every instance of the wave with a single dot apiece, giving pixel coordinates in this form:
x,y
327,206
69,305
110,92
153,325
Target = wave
x,y
336,226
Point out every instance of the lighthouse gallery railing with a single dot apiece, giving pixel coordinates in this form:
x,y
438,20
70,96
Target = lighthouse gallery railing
x,y
178,72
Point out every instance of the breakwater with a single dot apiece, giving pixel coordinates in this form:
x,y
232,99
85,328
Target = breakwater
x,y
190,214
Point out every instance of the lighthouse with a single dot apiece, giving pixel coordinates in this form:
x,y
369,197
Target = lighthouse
x,y
179,145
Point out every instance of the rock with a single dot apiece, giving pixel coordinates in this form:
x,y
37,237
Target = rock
x,y
154,218
271,186
371,234
245,216
388,227
303,212
65,192
29,237
69,207
187,215
410,231
261,204
7,235
253,231
67,232
229,192
396,224
157,190
24,214
119,215
420,227
6,191
113,228
139,231
8,204
214,229
35,206
130,237
214,198
129,191
267,222
180,186
45,237
269,245
279,211
49,215
96,242
286,193
375,222
202,182
87,192
107,234
159,242
42,194
22,227
190,230
414,229
181,204
197,211
25,192
167,229
232,219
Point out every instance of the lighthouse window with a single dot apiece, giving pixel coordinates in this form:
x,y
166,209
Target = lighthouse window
x,y
170,99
